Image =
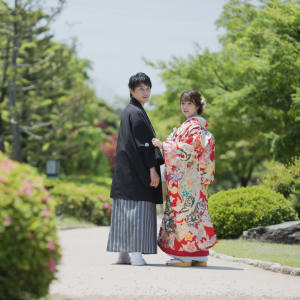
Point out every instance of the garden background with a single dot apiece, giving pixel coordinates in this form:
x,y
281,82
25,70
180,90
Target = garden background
x,y
50,110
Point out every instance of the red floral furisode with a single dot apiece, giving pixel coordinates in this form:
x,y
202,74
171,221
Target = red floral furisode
x,y
186,228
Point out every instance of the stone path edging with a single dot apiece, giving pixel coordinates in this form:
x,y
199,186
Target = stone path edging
x,y
266,265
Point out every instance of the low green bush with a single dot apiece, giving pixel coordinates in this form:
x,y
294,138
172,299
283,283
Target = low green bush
x,y
236,210
285,179
88,202
29,250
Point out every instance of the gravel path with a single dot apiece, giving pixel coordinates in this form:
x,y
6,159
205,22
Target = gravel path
x,y
88,272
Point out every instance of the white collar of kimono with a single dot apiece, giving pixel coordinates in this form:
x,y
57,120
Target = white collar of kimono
x,y
202,120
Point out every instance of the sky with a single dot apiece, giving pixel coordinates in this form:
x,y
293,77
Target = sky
x,y
114,35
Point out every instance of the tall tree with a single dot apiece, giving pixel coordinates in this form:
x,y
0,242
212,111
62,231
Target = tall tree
x,y
23,23
47,108
251,85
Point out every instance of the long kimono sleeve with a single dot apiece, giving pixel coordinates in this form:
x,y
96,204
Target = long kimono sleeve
x,y
197,147
205,155
143,135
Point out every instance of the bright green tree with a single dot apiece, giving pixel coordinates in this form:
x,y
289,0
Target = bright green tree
x,y
251,86
48,109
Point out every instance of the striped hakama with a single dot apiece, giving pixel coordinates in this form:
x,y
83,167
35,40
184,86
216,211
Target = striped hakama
x,y
133,227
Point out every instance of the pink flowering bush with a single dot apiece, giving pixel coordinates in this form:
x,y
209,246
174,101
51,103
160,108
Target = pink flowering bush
x,y
109,147
83,202
29,250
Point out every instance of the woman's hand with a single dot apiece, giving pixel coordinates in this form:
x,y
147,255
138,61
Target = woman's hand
x,y
157,143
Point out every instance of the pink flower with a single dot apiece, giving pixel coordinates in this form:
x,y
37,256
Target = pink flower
x,y
3,180
28,183
51,246
8,221
101,124
46,213
27,191
28,186
107,206
46,199
7,165
101,197
52,265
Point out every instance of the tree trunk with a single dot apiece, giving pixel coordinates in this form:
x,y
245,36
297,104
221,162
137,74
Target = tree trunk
x,y
245,180
3,90
12,98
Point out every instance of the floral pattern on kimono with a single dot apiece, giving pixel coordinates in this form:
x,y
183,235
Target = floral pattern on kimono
x,y
186,228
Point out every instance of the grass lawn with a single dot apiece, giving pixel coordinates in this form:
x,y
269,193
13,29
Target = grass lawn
x,y
288,255
69,221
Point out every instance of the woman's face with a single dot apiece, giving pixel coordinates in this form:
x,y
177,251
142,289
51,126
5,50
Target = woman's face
x,y
188,108
141,93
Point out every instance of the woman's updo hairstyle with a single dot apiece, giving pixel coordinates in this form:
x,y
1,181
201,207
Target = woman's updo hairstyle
x,y
194,97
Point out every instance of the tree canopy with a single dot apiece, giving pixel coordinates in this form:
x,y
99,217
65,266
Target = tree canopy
x,y
252,86
47,109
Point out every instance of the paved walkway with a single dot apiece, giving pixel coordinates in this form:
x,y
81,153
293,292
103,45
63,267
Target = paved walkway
x,y
88,272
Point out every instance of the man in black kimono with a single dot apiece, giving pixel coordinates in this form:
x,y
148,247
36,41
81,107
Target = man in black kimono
x,y
136,185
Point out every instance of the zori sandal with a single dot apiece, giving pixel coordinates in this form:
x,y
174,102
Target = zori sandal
x,y
179,263
196,263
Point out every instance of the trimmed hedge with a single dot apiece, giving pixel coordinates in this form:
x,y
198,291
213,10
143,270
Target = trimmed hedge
x,y
85,202
29,250
240,209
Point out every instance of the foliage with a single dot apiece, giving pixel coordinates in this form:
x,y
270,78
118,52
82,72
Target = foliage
x,y
88,201
47,109
236,210
251,85
279,179
109,147
85,153
285,179
29,250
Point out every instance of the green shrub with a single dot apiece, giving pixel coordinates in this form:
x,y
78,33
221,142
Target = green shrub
x,y
285,179
236,210
29,251
87,202
278,179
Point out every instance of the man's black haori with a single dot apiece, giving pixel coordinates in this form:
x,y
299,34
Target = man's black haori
x,y
135,156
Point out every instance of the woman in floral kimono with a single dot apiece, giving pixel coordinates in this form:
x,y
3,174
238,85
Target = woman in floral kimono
x,y
187,232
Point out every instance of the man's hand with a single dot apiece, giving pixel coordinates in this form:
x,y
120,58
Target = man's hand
x,y
154,178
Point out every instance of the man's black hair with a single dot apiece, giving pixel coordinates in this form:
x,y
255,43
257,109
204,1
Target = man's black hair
x,y
137,79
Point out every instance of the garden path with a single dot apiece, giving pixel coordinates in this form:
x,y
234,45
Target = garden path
x,y
88,272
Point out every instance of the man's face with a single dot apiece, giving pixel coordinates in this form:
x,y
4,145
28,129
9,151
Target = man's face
x,y
141,93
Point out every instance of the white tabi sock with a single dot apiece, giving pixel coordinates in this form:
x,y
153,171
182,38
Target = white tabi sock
x,y
137,259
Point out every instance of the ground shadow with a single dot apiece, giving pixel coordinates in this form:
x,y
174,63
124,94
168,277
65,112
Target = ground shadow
x,y
221,268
